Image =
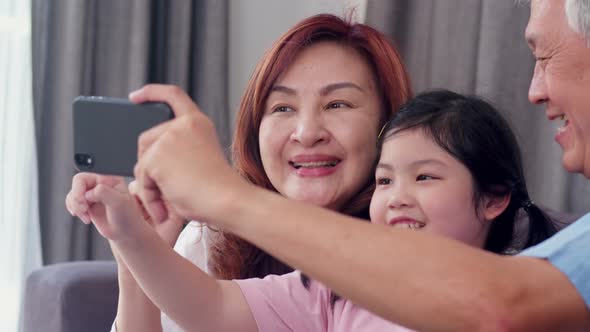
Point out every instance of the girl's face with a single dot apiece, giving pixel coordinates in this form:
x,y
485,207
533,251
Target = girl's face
x,y
420,186
319,130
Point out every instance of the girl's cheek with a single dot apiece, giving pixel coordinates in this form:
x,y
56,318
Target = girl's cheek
x,y
378,208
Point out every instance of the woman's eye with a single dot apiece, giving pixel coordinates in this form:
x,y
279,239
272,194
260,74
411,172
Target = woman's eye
x,y
384,181
282,109
423,177
338,105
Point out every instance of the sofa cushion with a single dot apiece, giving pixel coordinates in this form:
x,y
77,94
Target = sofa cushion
x,y
67,297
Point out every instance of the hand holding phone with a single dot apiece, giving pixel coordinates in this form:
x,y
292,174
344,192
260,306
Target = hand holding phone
x,y
106,131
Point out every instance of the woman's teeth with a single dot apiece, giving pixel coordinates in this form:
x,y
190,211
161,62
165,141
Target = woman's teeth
x,y
315,164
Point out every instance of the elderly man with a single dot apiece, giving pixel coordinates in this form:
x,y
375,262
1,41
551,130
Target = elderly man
x,y
430,283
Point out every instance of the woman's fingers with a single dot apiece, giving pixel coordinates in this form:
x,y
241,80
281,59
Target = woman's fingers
x,y
103,194
113,212
68,207
76,202
77,210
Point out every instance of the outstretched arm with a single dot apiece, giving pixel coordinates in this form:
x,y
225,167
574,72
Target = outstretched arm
x,y
135,311
188,295
419,280
415,279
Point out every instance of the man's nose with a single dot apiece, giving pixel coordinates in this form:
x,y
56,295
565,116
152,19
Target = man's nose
x,y
538,87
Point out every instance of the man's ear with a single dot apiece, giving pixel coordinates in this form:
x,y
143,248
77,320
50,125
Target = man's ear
x,y
493,206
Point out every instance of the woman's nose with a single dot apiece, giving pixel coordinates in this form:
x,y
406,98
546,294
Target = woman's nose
x,y
310,129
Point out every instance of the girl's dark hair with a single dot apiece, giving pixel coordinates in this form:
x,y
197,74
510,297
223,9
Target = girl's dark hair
x,y
475,133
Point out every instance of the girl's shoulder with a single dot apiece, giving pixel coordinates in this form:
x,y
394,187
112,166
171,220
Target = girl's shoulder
x,y
279,301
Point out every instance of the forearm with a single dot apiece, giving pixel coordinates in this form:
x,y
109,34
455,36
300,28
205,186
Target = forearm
x,y
423,281
135,311
171,282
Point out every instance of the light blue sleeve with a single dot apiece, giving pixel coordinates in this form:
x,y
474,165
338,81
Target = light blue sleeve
x,y
569,251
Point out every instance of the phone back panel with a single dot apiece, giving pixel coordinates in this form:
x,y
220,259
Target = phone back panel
x,y
106,132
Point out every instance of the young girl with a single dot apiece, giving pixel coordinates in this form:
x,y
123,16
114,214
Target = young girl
x,y
474,137
449,164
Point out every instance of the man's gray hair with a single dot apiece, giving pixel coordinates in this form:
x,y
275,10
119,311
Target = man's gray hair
x,y
578,16
577,13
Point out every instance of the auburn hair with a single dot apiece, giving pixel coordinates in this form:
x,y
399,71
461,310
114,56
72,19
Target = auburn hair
x,y
231,257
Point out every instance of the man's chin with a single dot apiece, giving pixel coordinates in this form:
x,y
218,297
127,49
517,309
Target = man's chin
x,y
575,165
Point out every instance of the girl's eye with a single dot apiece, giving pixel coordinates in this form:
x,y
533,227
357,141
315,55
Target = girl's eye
x,y
282,109
338,105
423,177
384,181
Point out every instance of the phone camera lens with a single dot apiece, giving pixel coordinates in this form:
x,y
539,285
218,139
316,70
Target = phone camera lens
x,y
83,160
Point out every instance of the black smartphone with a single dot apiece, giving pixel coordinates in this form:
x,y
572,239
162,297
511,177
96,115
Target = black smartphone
x,y
106,131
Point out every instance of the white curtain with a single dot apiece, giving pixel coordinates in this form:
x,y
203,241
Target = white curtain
x,y
20,247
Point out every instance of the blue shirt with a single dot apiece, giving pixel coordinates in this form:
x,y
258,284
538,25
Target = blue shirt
x,y
569,251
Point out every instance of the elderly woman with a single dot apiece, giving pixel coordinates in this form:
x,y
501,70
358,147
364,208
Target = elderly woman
x,y
307,129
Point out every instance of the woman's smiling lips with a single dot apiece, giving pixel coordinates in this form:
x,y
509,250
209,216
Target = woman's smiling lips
x,y
405,222
314,165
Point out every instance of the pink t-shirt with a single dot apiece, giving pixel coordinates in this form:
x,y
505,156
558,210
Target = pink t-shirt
x,y
282,303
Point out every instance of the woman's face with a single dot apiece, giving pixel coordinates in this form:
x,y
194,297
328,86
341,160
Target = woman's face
x,y
318,133
420,186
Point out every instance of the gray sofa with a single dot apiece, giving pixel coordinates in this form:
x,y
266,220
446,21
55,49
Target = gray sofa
x,y
82,296
68,297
